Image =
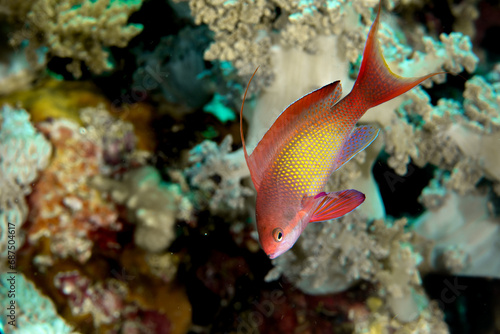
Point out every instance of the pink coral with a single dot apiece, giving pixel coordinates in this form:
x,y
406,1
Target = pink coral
x,y
63,206
109,305
103,300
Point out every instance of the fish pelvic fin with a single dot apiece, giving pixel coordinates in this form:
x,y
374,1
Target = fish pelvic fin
x,y
336,204
249,162
376,83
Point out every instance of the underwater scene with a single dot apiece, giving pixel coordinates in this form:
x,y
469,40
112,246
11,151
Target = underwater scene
x,y
250,166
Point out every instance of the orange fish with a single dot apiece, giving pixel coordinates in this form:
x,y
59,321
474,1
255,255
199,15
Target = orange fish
x,y
310,140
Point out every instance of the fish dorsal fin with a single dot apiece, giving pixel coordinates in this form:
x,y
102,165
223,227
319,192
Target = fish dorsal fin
x,y
336,204
361,137
247,158
318,101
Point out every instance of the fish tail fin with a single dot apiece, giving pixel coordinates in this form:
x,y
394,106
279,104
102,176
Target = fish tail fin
x,y
376,83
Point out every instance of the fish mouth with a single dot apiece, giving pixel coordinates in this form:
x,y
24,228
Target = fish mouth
x,y
273,255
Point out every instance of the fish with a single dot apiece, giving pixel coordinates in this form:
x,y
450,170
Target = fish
x,y
312,138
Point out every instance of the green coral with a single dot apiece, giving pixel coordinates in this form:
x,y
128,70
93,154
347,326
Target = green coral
x,y
35,313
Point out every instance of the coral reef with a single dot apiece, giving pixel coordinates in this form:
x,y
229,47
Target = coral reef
x,y
100,300
450,136
65,210
334,256
23,153
241,31
80,31
287,309
405,138
114,306
245,31
465,233
132,207
176,68
217,173
16,73
116,136
153,205
34,312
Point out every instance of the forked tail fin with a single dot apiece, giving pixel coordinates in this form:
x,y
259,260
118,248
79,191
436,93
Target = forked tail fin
x,y
376,83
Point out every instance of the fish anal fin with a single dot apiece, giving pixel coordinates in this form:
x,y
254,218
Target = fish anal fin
x,y
361,138
336,204
318,101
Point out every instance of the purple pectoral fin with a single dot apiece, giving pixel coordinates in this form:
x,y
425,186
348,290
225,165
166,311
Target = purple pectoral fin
x,y
360,138
336,204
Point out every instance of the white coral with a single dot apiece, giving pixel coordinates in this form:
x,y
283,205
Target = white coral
x,y
23,153
218,172
153,205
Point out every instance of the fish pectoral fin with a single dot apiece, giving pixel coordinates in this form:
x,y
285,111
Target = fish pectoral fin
x,y
360,138
336,204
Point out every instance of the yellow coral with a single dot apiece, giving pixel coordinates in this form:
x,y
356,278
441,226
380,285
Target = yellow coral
x,y
63,99
57,99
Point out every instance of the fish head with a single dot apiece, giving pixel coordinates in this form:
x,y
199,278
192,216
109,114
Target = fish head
x,y
278,231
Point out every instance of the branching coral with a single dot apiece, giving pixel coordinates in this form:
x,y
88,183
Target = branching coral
x,y
481,104
241,31
248,32
245,31
452,53
81,31
454,137
155,206
218,172
23,153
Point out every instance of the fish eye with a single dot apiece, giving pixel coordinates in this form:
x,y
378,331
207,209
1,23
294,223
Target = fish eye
x,y
278,234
